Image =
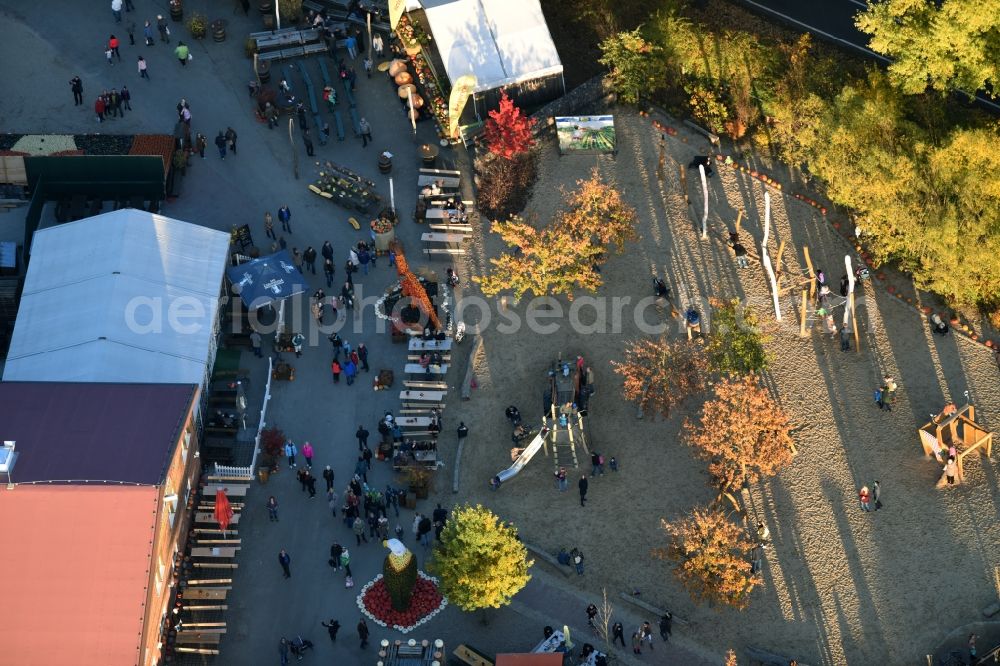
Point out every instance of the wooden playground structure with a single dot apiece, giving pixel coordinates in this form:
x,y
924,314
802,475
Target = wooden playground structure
x,y
565,399
955,426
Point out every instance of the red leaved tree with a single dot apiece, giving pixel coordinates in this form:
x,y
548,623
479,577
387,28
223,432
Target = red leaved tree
x,y
711,555
661,374
743,434
508,130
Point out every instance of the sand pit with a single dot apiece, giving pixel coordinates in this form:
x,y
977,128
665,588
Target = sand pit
x,y
841,586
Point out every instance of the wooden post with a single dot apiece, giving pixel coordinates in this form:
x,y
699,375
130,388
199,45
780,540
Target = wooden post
x,y
812,273
684,185
704,190
802,324
777,264
739,219
661,160
854,323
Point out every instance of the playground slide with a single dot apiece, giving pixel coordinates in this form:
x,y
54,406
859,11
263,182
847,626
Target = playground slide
x,y
522,459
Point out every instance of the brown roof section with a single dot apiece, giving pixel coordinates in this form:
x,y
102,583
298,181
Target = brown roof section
x,y
75,569
93,432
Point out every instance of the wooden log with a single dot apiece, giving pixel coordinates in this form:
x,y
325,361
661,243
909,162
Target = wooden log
x,y
660,612
547,557
213,607
470,370
458,464
210,581
191,626
216,565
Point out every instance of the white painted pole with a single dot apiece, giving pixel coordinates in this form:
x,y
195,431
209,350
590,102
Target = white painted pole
x,y
392,196
704,190
277,13
766,259
409,98
848,308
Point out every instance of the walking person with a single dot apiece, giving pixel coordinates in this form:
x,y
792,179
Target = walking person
x,y
359,530
99,109
597,464
231,138
76,85
363,357
336,370
143,74
666,622
950,470
618,633
647,633
366,132
877,494
272,509
116,10
845,338
255,343
290,452
113,45
328,477
285,217
307,142
378,45
164,29
130,29
309,257
331,499
362,435
268,225
182,53
561,482
220,143
147,33
636,643
578,562
310,484
865,497
352,46
363,633
307,453
126,98
592,616
328,272
582,485
332,627
285,560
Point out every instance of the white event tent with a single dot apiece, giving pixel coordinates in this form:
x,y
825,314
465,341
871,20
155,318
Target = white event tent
x,y
504,43
126,296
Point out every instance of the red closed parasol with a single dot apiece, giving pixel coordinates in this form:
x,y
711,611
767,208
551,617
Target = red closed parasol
x,y
223,512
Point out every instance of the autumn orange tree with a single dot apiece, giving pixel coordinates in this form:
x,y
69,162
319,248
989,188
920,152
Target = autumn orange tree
x,y
742,433
660,374
595,211
711,557
548,261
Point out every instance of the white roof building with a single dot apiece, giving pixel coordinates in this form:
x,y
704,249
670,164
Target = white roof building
x,y
502,42
126,296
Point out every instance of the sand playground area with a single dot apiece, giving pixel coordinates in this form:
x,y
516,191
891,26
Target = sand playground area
x,y
840,585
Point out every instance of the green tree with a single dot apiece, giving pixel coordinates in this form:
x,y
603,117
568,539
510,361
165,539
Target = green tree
x,y
480,561
735,346
634,64
941,45
712,557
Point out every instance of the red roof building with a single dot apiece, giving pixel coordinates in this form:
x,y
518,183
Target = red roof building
x,y
93,507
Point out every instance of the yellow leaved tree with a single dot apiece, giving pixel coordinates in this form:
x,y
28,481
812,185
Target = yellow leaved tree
x,y
480,561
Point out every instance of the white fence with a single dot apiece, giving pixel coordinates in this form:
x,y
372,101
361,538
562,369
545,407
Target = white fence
x,y
247,471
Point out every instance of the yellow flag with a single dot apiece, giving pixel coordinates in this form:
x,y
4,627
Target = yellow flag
x,y
396,8
460,92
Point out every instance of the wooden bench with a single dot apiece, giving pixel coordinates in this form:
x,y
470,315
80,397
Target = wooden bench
x,y
190,650
445,358
452,251
441,173
442,213
209,593
409,383
444,183
415,369
421,433
438,237
229,431
212,478
430,396
216,565
205,609
197,638
218,542
416,344
421,408
210,581
230,490
208,517
218,551
198,532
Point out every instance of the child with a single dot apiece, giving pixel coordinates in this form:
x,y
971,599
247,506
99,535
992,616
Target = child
x,y
613,464
107,54
368,67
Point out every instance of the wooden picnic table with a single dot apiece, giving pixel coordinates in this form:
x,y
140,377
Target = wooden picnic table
x,y
429,396
436,237
221,551
416,369
413,421
209,517
416,344
205,593
197,638
436,213
235,490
